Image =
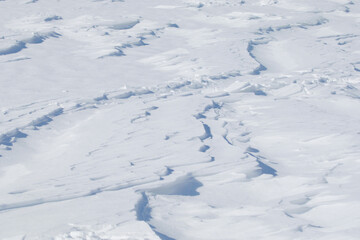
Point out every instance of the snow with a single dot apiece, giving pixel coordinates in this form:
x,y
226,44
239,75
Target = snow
x,y
219,119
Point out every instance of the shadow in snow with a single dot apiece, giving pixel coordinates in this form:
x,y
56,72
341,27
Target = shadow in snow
x,y
185,186
207,133
143,213
266,169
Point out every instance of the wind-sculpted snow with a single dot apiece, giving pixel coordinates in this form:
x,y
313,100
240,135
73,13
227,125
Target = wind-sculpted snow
x,y
35,39
219,119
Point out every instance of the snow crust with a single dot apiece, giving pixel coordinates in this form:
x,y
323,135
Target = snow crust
x,y
219,119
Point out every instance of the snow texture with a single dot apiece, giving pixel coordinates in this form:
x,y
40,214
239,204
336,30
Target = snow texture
x,y
219,119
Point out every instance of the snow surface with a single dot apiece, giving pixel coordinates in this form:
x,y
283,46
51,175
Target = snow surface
x,y
219,119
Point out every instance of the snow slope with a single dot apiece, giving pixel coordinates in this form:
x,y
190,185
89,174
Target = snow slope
x,y
219,119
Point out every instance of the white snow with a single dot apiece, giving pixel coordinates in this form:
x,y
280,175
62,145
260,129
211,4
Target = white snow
x,y
219,119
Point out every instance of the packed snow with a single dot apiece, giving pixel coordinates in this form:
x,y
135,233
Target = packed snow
x,y
182,119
